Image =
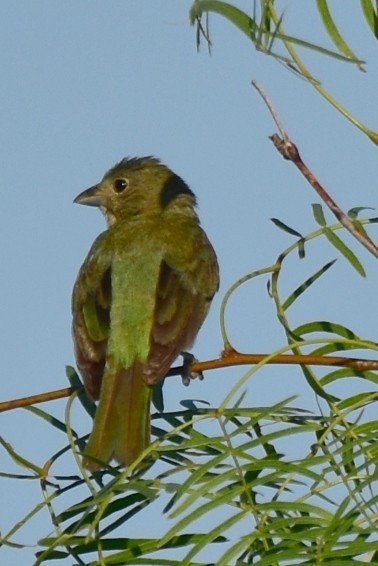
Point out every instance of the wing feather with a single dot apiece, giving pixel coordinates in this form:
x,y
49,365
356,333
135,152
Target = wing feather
x,y
91,301
183,298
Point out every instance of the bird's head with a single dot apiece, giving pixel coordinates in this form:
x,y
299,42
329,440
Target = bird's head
x,y
139,186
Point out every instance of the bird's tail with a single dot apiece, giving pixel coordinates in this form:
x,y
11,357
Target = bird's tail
x,y
121,428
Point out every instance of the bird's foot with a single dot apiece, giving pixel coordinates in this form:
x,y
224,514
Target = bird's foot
x,y
187,374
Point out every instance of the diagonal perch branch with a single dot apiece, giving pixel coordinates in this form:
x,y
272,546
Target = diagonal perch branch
x,y
228,358
290,151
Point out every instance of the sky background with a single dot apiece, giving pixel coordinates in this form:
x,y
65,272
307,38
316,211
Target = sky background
x,y
85,84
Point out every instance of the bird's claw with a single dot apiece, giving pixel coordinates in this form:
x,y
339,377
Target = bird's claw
x,y
187,374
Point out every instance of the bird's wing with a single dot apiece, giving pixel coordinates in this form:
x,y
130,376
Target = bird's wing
x,y
188,280
90,309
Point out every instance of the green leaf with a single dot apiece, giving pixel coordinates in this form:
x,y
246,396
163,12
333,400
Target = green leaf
x,y
240,19
213,535
20,460
318,213
353,215
252,30
130,547
334,33
325,326
286,228
292,232
359,401
370,15
48,418
345,251
316,386
354,212
344,373
305,285
157,396
76,383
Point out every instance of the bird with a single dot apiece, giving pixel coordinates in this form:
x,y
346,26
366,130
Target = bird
x,y
139,300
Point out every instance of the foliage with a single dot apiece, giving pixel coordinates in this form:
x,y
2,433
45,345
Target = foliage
x,y
273,485
229,467
264,28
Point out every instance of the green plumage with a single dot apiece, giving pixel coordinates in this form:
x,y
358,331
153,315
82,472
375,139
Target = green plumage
x,y
139,299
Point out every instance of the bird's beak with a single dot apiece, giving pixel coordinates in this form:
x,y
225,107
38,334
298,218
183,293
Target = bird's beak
x,y
90,197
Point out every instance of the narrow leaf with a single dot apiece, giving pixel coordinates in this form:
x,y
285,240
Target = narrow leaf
x,y
20,460
345,251
286,228
239,18
157,396
75,382
354,212
249,27
334,33
370,15
325,326
318,213
47,417
305,285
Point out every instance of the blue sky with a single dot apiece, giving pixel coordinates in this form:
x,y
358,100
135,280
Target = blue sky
x,y
87,83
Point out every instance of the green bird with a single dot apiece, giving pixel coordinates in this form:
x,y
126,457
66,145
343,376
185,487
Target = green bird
x,y
139,300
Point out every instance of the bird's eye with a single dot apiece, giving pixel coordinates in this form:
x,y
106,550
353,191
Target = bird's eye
x,y
120,185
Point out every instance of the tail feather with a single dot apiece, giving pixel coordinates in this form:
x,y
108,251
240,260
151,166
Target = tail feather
x,y
121,427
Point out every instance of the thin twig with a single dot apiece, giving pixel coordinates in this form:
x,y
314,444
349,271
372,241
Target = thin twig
x,y
290,151
34,399
229,358
271,109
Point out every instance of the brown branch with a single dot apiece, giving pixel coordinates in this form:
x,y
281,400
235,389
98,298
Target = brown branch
x,y
290,151
34,399
233,358
228,358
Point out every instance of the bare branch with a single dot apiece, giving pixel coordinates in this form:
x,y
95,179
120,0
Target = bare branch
x,y
229,358
289,151
34,399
